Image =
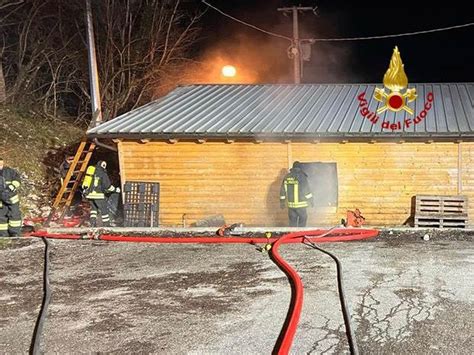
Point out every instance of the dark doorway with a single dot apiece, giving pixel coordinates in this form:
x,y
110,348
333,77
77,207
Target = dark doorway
x,y
322,178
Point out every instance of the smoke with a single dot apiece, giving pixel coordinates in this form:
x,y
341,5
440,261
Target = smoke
x,y
260,58
256,60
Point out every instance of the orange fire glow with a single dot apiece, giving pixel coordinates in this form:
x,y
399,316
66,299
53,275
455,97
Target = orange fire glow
x,y
228,71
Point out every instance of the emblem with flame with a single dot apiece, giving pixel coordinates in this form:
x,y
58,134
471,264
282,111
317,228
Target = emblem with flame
x,y
396,81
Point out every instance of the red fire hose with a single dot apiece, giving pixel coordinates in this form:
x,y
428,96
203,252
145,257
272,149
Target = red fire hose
x,y
339,235
288,331
283,344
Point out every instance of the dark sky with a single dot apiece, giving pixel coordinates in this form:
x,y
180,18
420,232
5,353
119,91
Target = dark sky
x,y
438,57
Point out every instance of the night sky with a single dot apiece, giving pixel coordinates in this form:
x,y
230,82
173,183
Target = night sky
x,y
438,57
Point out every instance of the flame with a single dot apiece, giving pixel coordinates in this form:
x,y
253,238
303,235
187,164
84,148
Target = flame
x,y
228,71
395,78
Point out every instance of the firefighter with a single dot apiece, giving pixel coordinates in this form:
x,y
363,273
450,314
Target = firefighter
x,y
295,191
64,167
95,190
10,215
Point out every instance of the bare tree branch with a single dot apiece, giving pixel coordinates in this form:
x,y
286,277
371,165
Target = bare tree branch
x,y
140,45
8,3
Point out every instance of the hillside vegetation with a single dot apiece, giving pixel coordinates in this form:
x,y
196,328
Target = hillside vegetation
x,y
36,146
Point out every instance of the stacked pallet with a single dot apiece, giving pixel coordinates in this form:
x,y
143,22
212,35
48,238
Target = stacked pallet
x,y
435,211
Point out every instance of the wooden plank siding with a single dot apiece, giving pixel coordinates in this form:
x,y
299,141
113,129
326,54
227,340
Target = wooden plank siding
x,y
241,180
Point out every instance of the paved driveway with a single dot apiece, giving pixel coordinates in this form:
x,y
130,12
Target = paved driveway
x,y
406,296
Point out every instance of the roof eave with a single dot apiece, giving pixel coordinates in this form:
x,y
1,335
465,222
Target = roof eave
x,y
385,136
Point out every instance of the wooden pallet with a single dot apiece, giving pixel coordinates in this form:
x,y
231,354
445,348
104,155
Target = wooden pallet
x,y
435,211
441,222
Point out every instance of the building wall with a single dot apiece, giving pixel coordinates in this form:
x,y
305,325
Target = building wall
x,y
241,180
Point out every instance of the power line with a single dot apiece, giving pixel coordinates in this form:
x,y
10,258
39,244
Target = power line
x,y
339,39
245,23
390,36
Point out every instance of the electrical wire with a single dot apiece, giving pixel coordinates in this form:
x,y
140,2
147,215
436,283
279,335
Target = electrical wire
x,y
389,36
312,40
342,298
36,340
246,23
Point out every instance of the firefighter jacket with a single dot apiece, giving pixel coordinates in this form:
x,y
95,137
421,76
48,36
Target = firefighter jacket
x,y
100,185
9,183
295,189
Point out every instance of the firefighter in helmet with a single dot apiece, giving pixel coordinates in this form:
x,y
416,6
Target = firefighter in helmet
x,y
95,186
297,194
10,215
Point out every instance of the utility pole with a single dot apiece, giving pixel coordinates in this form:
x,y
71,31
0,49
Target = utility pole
x,y
93,74
295,49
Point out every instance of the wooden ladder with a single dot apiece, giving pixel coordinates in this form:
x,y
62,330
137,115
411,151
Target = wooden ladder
x,y
72,181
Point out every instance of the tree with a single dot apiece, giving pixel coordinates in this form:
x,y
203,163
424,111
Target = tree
x,y
36,53
3,93
138,43
4,5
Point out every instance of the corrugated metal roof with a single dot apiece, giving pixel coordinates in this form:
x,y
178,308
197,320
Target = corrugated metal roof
x,y
292,111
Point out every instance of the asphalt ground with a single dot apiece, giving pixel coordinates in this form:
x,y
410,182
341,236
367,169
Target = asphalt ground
x,y
406,295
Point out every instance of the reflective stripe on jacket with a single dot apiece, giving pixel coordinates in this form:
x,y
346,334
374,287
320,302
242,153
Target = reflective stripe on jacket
x,y
295,189
100,185
9,176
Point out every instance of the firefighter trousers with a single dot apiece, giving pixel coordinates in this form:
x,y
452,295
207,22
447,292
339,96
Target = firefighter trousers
x,y
11,207
3,220
297,217
99,206
14,219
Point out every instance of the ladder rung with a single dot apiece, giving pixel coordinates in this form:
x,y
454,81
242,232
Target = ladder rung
x,y
66,193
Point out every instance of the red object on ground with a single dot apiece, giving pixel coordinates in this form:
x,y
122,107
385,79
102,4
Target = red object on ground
x,y
354,219
288,331
221,231
71,222
67,221
336,235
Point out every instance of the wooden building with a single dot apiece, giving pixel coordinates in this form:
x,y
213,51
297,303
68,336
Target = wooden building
x,y
224,149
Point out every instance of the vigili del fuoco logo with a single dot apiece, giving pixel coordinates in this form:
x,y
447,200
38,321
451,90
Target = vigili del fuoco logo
x,y
396,82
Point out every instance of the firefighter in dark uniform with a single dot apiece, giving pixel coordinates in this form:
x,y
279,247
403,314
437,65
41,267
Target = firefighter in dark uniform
x,y
10,215
64,167
96,194
297,194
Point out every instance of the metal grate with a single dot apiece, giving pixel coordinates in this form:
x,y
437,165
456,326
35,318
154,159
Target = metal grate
x,y
141,205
